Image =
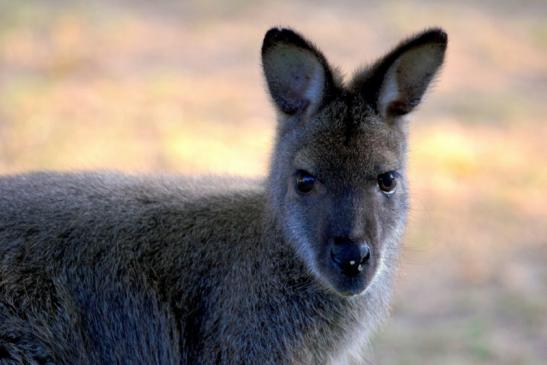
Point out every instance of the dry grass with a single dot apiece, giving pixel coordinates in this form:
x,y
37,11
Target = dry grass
x,y
170,87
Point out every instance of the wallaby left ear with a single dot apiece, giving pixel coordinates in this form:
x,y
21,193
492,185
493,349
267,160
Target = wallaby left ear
x,y
396,83
298,75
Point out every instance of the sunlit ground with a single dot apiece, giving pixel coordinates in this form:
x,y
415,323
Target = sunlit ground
x,y
146,88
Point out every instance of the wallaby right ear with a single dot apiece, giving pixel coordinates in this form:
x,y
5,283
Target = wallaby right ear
x,y
297,74
396,83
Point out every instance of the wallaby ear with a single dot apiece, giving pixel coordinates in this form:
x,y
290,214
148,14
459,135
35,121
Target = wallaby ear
x,y
297,74
396,83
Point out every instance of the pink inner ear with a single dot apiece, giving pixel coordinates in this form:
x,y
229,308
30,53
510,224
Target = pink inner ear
x,y
398,107
407,79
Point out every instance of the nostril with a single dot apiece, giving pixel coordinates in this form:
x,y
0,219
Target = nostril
x,y
365,252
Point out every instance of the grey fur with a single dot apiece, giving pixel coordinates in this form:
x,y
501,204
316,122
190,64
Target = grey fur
x,y
104,268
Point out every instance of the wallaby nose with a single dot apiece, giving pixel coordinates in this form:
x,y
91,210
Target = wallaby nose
x,y
350,256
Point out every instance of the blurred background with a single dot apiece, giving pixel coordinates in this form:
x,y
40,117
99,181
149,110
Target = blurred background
x,y
143,86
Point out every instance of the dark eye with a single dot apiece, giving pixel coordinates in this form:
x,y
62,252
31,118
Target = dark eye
x,y
304,182
388,182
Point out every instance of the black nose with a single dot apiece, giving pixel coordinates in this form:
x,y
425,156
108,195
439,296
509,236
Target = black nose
x,y
350,256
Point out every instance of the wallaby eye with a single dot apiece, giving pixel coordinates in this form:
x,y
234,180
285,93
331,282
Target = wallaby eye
x,y
304,181
388,182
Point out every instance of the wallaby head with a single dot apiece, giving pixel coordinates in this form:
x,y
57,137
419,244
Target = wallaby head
x,y
337,185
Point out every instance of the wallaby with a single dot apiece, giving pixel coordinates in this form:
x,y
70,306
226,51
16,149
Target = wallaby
x,y
104,268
